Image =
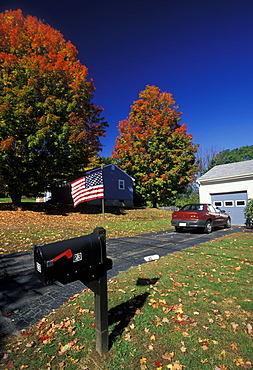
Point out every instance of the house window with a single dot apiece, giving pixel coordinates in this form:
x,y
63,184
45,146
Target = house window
x,y
218,204
121,184
229,203
240,203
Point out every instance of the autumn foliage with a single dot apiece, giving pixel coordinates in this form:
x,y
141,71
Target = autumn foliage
x,y
155,148
48,125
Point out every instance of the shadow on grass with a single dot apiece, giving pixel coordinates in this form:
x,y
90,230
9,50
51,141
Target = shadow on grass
x,y
122,314
146,281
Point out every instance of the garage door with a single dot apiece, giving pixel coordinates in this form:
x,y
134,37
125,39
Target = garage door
x,y
233,204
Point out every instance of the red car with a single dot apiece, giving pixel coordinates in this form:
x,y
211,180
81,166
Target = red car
x,y
200,215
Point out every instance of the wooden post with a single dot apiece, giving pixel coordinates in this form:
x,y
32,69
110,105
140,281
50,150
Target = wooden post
x,y
99,287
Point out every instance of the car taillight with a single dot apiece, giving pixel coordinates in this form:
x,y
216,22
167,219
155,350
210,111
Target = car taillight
x,y
197,216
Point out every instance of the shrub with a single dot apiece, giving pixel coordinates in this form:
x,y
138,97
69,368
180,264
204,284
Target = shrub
x,y
248,212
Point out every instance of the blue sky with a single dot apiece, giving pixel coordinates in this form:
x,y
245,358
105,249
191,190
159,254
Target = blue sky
x,y
201,51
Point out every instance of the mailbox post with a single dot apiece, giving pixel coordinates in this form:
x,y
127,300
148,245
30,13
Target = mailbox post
x,y
99,287
83,259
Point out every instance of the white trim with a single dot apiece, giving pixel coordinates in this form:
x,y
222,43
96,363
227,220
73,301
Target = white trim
x,y
121,184
226,178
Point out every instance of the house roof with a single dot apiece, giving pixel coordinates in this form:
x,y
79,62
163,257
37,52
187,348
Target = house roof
x,y
243,169
109,165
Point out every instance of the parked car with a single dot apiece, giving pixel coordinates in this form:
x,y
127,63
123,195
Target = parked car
x,y
200,215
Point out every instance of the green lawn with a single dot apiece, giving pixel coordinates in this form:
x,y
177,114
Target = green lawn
x,y
8,200
36,223
189,310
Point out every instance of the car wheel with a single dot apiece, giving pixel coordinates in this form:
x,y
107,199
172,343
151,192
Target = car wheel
x,y
208,227
228,223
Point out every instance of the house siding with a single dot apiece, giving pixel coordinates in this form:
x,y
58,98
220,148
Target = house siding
x,y
112,175
205,190
113,194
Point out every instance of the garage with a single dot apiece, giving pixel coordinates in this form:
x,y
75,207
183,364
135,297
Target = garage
x,y
229,187
233,204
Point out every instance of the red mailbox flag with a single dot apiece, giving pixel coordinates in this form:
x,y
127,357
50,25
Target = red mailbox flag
x,y
88,187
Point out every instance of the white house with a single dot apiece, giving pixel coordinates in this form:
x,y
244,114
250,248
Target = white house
x,y
229,187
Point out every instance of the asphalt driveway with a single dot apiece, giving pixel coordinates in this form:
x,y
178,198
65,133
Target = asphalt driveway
x,y
24,300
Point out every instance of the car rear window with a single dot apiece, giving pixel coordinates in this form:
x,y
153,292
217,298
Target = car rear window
x,y
193,207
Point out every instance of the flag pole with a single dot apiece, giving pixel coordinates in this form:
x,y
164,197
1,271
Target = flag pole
x,y
103,212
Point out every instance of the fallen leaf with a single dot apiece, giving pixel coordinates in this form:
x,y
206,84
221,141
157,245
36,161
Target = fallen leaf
x,y
234,326
177,366
204,361
67,346
183,349
204,343
247,365
158,364
228,313
168,356
234,347
223,353
249,328
238,361
191,294
128,337
185,334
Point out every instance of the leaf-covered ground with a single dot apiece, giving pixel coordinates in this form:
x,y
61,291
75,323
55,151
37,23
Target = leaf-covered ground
x,y
34,223
189,310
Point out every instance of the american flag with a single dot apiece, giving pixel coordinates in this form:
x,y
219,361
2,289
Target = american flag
x,y
87,188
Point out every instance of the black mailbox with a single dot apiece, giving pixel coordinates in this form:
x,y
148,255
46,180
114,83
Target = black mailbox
x,y
82,258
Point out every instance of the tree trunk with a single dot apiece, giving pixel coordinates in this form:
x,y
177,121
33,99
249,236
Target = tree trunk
x,y
154,203
16,199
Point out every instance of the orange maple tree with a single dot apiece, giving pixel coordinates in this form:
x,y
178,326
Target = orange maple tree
x,y
154,148
49,126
